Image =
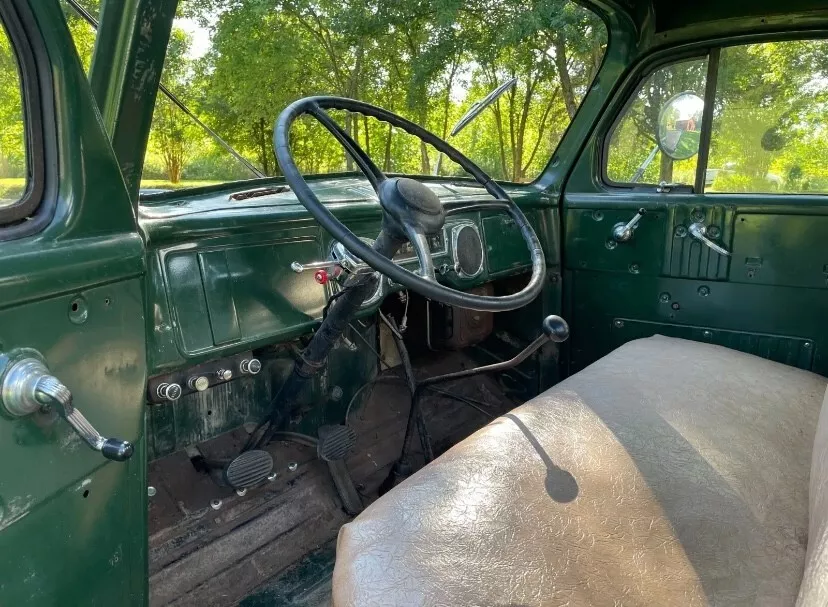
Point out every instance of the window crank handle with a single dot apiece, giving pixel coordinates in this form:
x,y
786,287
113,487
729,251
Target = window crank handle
x,y
622,232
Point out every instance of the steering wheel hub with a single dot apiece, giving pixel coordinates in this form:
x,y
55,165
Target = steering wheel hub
x,y
409,203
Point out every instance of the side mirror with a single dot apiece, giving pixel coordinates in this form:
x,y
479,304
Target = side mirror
x,y
679,126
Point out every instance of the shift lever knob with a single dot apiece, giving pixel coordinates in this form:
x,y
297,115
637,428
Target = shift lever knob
x,y
555,328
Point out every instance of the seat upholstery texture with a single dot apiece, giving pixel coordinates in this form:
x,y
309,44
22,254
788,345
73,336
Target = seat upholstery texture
x,y
669,472
813,592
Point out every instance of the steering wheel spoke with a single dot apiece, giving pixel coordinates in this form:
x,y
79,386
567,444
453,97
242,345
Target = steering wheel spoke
x,y
352,148
419,240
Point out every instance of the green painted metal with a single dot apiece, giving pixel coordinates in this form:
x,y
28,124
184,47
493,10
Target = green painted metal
x,y
72,524
125,73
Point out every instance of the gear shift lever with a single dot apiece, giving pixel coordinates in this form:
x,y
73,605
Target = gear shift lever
x,y
554,329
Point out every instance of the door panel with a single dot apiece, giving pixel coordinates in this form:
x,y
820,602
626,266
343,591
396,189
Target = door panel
x,y
72,523
768,298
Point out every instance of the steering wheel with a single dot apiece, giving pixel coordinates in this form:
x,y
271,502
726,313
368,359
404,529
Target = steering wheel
x,y
411,211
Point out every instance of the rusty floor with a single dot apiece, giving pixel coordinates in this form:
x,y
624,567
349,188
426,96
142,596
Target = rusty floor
x,y
274,545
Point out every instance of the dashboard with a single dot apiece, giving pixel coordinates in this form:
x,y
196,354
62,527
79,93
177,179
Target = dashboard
x,y
222,262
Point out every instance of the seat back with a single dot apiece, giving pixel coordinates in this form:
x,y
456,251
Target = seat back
x,y
813,592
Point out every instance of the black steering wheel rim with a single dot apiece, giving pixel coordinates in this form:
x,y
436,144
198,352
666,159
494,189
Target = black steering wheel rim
x,y
431,289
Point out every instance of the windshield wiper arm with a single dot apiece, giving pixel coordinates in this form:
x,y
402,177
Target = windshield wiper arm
x,y
87,16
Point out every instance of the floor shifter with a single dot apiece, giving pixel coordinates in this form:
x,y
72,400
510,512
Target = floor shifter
x,y
555,329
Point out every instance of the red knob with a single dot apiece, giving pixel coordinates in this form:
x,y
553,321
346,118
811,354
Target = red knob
x,y
321,276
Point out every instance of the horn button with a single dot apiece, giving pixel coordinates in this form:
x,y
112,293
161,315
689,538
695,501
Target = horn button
x,y
409,202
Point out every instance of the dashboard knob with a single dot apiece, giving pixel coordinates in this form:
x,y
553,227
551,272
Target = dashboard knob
x,y
250,366
198,382
224,374
168,391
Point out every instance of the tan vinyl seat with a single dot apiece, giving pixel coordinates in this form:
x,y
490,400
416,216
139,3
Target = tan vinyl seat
x,y
668,473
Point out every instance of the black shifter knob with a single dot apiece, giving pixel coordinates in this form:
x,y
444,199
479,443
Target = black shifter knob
x,y
555,328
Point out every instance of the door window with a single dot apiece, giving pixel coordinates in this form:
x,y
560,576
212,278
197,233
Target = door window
x,y
14,161
770,121
667,102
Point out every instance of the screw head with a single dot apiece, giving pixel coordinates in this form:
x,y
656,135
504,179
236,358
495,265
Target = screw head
x,y
151,491
704,290
272,476
714,231
664,297
336,393
807,344
597,215
611,244
215,504
708,334
681,231
618,323
634,268
675,305
293,466
241,492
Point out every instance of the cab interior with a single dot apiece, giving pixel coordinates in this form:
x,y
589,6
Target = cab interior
x,y
543,327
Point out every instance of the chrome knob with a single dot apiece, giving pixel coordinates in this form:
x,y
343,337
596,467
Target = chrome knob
x,y
250,366
168,391
28,387
224,374
198,382
622,232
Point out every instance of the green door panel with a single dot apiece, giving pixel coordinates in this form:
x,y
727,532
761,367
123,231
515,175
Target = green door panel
x,y
72,523
790,250
597,299
793,351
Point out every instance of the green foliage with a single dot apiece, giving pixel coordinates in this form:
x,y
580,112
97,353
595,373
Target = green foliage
x,y
428,61
13,158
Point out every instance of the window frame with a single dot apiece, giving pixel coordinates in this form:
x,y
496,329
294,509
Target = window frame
x,y
29,204
629,91
647,66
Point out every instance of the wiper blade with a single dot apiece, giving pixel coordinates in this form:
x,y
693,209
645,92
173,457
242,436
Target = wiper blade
x,y
87,16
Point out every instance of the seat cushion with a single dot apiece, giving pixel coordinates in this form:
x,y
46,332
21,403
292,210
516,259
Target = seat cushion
x,y
667,473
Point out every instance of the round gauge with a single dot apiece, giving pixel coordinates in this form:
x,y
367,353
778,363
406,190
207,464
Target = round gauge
x,y
467,248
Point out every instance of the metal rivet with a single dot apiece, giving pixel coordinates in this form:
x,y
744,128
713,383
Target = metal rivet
x,y
807,344
714,231
597,215
634,269
681,231
336,393
675,305
293,466
215,504
664,297
618,324
708,334
151,491
704,290
611,244
272,476
698,215
241,492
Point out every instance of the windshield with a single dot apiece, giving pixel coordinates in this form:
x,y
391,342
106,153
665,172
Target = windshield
x,y
235,64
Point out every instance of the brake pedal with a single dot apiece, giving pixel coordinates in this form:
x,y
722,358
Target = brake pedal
x,y
248,469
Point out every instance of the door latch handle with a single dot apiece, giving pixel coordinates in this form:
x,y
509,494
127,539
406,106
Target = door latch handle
x,y
28,387
699,231
622,232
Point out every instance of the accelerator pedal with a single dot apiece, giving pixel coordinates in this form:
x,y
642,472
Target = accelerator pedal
x,y
248,469
335,443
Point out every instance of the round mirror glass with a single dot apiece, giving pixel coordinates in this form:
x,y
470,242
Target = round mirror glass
x,y
679,126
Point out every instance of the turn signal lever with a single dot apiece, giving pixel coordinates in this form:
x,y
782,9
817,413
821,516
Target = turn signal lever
x,y
554,329
27,387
